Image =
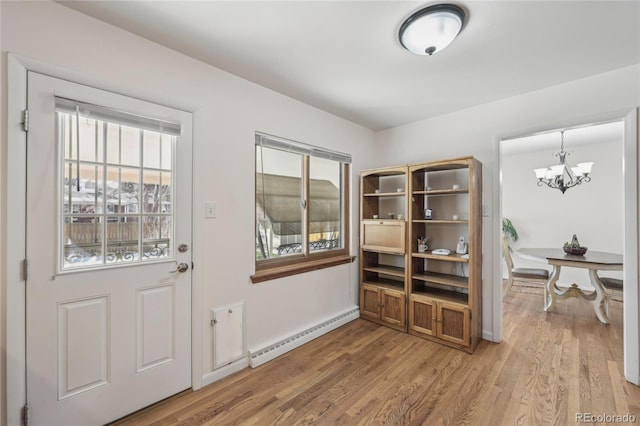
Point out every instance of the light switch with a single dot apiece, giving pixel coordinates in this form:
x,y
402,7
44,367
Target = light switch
x,y
210,210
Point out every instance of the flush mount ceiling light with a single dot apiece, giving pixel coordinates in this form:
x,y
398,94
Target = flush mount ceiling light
x,y
431,29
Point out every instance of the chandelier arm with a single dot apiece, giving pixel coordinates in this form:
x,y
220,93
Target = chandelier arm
x,y
550,183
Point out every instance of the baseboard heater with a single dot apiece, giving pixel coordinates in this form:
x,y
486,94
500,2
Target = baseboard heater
x,y
275,349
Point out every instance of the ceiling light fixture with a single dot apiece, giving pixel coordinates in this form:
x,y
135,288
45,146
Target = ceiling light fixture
x,y
562,176
431,29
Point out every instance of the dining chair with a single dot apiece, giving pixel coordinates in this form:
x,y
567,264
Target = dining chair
x,y
612,283
538,275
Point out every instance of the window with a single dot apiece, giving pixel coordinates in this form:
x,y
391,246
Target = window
x,y
302,207
116,192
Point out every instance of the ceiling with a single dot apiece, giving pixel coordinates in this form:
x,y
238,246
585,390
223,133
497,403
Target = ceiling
x,y
344,56
573,137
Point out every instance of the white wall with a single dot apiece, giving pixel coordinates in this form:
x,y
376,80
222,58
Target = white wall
x,y
477,131
227,111
546,217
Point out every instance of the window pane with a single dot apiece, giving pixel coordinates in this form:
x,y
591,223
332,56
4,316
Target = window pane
x,y
82,242
150,228
156,195
157,235
157,227
156,250
66,133
325,210
88,139
151,150
167,151
279,212
122,190
165,193
90,197
122,239
113,143
129,146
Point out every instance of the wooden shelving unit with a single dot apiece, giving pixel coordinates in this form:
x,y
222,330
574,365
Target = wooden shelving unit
x,y
446,287
383,255
434,296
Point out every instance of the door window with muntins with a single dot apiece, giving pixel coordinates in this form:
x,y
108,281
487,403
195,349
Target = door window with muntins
x,y
116,191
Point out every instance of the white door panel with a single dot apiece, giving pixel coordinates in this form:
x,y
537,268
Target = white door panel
x,y
83,345
155,324
108,315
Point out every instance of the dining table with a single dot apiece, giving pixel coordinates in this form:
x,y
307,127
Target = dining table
x,y
593,261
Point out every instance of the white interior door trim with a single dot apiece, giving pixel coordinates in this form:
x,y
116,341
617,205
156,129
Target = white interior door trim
x,y
16,239
631,293
17,67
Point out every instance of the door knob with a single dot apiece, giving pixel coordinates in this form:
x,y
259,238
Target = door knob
x,y
181,267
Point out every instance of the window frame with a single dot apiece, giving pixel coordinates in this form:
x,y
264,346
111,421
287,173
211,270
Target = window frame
x,y
268,269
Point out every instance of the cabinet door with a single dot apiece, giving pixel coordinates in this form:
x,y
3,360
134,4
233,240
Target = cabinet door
x,y
386,236
453,323
393,307
422,316
370,301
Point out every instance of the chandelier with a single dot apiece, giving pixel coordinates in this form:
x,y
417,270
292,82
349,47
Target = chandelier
x,y
562,176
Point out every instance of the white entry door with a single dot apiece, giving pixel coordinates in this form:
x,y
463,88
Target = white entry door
x,y
109,253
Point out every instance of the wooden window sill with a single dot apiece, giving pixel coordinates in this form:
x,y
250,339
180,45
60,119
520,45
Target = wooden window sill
x,y
312,265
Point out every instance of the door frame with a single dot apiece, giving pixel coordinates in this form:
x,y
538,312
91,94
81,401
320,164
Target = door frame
x,y
631,294
15,368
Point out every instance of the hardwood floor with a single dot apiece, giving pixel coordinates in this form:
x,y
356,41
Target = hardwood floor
x,y
548,368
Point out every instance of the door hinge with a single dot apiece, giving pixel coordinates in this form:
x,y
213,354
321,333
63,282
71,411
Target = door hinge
x,y
192,265
25,415
25,269
25,120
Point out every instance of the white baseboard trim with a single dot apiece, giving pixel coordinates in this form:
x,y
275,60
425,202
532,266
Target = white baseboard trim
x,y
225,371
278,347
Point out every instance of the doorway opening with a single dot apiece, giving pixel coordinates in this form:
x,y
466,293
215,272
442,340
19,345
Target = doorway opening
x,y
597,212
545,217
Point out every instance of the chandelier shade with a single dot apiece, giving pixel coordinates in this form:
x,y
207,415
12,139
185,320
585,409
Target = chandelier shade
x,y
562,176
431,29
